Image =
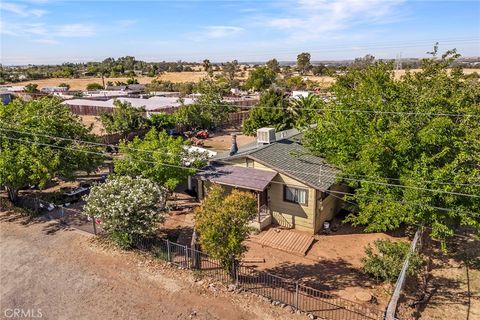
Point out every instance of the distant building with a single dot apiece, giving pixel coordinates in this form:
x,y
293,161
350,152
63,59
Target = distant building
x,y
151,105
53,89
299,93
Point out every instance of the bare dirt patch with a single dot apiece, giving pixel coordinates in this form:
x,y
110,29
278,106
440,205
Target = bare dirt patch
x,y
448,286
222,140
68,276
94,121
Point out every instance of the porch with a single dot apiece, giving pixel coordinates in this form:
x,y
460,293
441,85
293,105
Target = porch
x,y
245,179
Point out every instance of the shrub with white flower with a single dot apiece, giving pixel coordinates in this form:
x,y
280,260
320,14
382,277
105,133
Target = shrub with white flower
x,y
129,208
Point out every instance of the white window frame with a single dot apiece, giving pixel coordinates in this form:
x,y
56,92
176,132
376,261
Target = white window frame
x,y
296,195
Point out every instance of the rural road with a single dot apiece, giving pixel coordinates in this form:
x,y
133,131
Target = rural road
x,y
62,274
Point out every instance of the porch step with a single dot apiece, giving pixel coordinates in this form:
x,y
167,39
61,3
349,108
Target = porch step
x,y
287,240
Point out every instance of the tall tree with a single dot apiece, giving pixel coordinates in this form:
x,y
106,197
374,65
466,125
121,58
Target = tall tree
x,y
260,79
273,65
124,118
32,154
222,222
207,66
158,157
303,63
271,111
422,163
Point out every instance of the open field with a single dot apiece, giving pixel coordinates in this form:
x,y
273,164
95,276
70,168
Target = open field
x,y
81,84
65,275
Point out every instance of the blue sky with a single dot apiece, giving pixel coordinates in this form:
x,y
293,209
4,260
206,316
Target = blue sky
x,y
55,31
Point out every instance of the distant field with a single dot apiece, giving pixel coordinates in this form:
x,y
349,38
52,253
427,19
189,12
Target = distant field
x,y
81,84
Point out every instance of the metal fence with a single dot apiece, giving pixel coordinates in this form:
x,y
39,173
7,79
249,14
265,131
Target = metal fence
x,y
71,217
286,291
392,305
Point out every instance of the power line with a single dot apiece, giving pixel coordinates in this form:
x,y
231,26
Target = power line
x,y
278,182
291,171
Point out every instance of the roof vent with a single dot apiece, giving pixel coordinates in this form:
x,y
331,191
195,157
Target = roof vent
x,y
266,135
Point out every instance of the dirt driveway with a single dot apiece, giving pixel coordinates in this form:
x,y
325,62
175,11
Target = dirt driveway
x,y
66,275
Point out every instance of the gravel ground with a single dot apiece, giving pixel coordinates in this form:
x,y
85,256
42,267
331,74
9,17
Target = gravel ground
x,y
63,274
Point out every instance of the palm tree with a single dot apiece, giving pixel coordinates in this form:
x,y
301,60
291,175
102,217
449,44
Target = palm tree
x,y
303,109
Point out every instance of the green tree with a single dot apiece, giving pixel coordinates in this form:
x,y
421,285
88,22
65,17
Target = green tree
x,y
303,63
193,117
207,66
305,109
31,88
124,118
222,222
273,65
211,101
129,208
132,81
162,121
31,155
157,157
271,111
64,85
230,69
386,260
94,86
260,79
416,164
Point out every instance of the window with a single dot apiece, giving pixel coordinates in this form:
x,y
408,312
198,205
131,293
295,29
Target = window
x,y
294,195
249,163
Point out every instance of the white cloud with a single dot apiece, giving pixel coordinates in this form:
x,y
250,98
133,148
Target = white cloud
x,y
75,30
221,31
46,41
309,19
21,10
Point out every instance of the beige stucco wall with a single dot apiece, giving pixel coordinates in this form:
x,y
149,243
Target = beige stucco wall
x,y
309,217
292,215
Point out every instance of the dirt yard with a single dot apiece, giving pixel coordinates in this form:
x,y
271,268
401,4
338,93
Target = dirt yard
x,y
97,126
333,264
222,140
66,275
448,288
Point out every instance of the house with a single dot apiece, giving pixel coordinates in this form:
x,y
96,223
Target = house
x,y
292,186
151,105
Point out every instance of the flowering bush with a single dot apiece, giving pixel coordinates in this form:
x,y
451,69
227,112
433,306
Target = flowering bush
x,y
129,208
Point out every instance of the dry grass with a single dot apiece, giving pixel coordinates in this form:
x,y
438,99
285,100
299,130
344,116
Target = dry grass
x,y
81,84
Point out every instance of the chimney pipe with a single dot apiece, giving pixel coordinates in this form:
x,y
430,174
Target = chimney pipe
x,y
234,147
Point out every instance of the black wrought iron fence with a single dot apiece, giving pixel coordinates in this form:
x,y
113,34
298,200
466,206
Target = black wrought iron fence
x,y
283,290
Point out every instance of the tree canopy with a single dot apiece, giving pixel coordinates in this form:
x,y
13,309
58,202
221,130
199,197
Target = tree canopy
x,y
260,79
275,109
94,86
303,63
418,163
222,222
157,157
124,119
31,154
